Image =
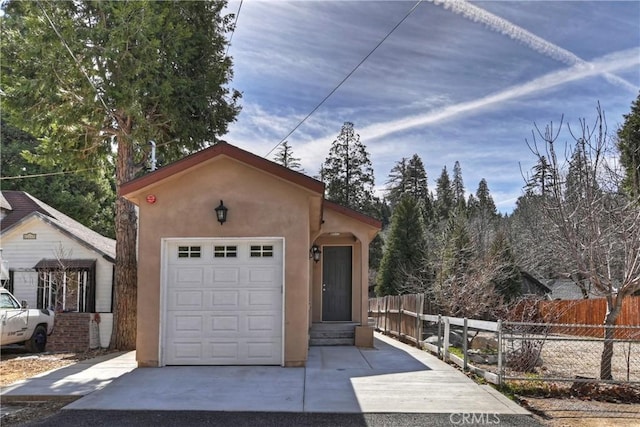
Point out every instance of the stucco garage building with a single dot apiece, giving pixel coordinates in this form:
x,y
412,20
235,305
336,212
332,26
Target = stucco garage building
x,y
247,290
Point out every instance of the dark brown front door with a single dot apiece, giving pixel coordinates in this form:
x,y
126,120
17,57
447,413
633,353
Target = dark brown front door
x,y
336,283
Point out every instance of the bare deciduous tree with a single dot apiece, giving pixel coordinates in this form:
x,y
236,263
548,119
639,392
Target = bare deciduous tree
x,y
594,228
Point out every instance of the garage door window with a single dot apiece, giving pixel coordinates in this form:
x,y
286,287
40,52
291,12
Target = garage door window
x,y
261,251
189,251
225,251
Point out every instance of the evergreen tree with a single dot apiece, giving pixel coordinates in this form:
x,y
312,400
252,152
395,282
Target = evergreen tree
x,y
457,252
86,196
417,185
485,201
457,186
507,278
285,157
629,147
95,80
402,258
483,217
397,183
348,173
444,202
540,181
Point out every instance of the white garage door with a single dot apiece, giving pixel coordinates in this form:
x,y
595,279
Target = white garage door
x,y
223,302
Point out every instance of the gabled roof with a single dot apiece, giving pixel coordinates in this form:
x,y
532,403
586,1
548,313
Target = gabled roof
x,y
219,149
24,206
224,148
353,214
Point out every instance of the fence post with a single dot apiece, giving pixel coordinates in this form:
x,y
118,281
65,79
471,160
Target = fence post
x,y
439,335
386,314
445,350
464,346
400,316
500,373
419,310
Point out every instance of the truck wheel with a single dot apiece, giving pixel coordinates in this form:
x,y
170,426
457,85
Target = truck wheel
x,y
38,341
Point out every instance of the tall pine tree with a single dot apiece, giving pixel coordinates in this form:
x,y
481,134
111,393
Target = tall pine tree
x,y
348,172
629,147
444,203
285,157
457,186
402,258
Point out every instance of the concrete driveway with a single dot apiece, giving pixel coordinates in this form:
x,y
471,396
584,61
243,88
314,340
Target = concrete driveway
x,y
391,378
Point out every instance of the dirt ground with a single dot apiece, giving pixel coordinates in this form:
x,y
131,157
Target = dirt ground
x,y
590,407
582,404
16,364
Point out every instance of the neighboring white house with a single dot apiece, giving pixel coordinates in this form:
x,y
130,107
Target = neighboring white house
x,y
53,261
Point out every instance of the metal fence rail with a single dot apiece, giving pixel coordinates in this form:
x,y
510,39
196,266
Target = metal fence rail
x,y
500,351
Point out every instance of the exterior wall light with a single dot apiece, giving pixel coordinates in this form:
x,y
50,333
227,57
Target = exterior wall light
x,y
221,213
314,253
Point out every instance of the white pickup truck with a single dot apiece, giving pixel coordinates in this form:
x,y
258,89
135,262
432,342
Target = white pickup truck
x,y
21,325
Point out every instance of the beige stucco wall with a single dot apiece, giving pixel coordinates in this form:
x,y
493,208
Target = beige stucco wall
x,y
260,205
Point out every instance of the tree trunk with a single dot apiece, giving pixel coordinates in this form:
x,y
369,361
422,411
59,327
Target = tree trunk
x,y
126,287
614,306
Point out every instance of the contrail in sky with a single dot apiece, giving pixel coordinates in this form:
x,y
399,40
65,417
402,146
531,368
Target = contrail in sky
x,y
606,64
515,32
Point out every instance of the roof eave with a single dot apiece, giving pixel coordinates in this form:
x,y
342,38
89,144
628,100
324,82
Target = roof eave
x,y
221,148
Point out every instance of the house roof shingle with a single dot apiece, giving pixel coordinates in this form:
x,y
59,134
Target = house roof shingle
x,y
24,206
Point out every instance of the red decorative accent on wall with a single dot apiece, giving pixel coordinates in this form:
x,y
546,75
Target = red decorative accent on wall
x,y
151,198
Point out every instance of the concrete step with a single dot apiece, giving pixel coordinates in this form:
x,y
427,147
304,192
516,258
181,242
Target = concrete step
x,y
332,334
334,326
330,341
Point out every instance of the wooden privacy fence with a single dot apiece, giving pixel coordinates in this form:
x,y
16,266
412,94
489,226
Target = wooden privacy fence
x,y
398,315
589,312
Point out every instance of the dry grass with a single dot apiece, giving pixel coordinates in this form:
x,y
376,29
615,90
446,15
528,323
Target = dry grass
x,y
17,364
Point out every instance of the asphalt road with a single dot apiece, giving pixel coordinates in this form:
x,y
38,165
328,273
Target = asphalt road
x,y
76,418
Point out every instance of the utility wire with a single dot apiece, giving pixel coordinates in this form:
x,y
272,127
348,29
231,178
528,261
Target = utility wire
x,y
107,110
45,174
234,29
346,78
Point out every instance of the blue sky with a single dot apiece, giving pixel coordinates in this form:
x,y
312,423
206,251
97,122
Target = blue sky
x,y
455,81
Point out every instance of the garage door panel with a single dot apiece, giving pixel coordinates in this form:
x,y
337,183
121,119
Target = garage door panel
x,y
220,324
224,299
187,351
262,323
224,310
191,299
188,276
256,299
186,325
225,276
224,352
261,275
208,325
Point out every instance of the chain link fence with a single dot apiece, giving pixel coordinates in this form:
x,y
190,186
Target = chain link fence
x,y
502,351
577,353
